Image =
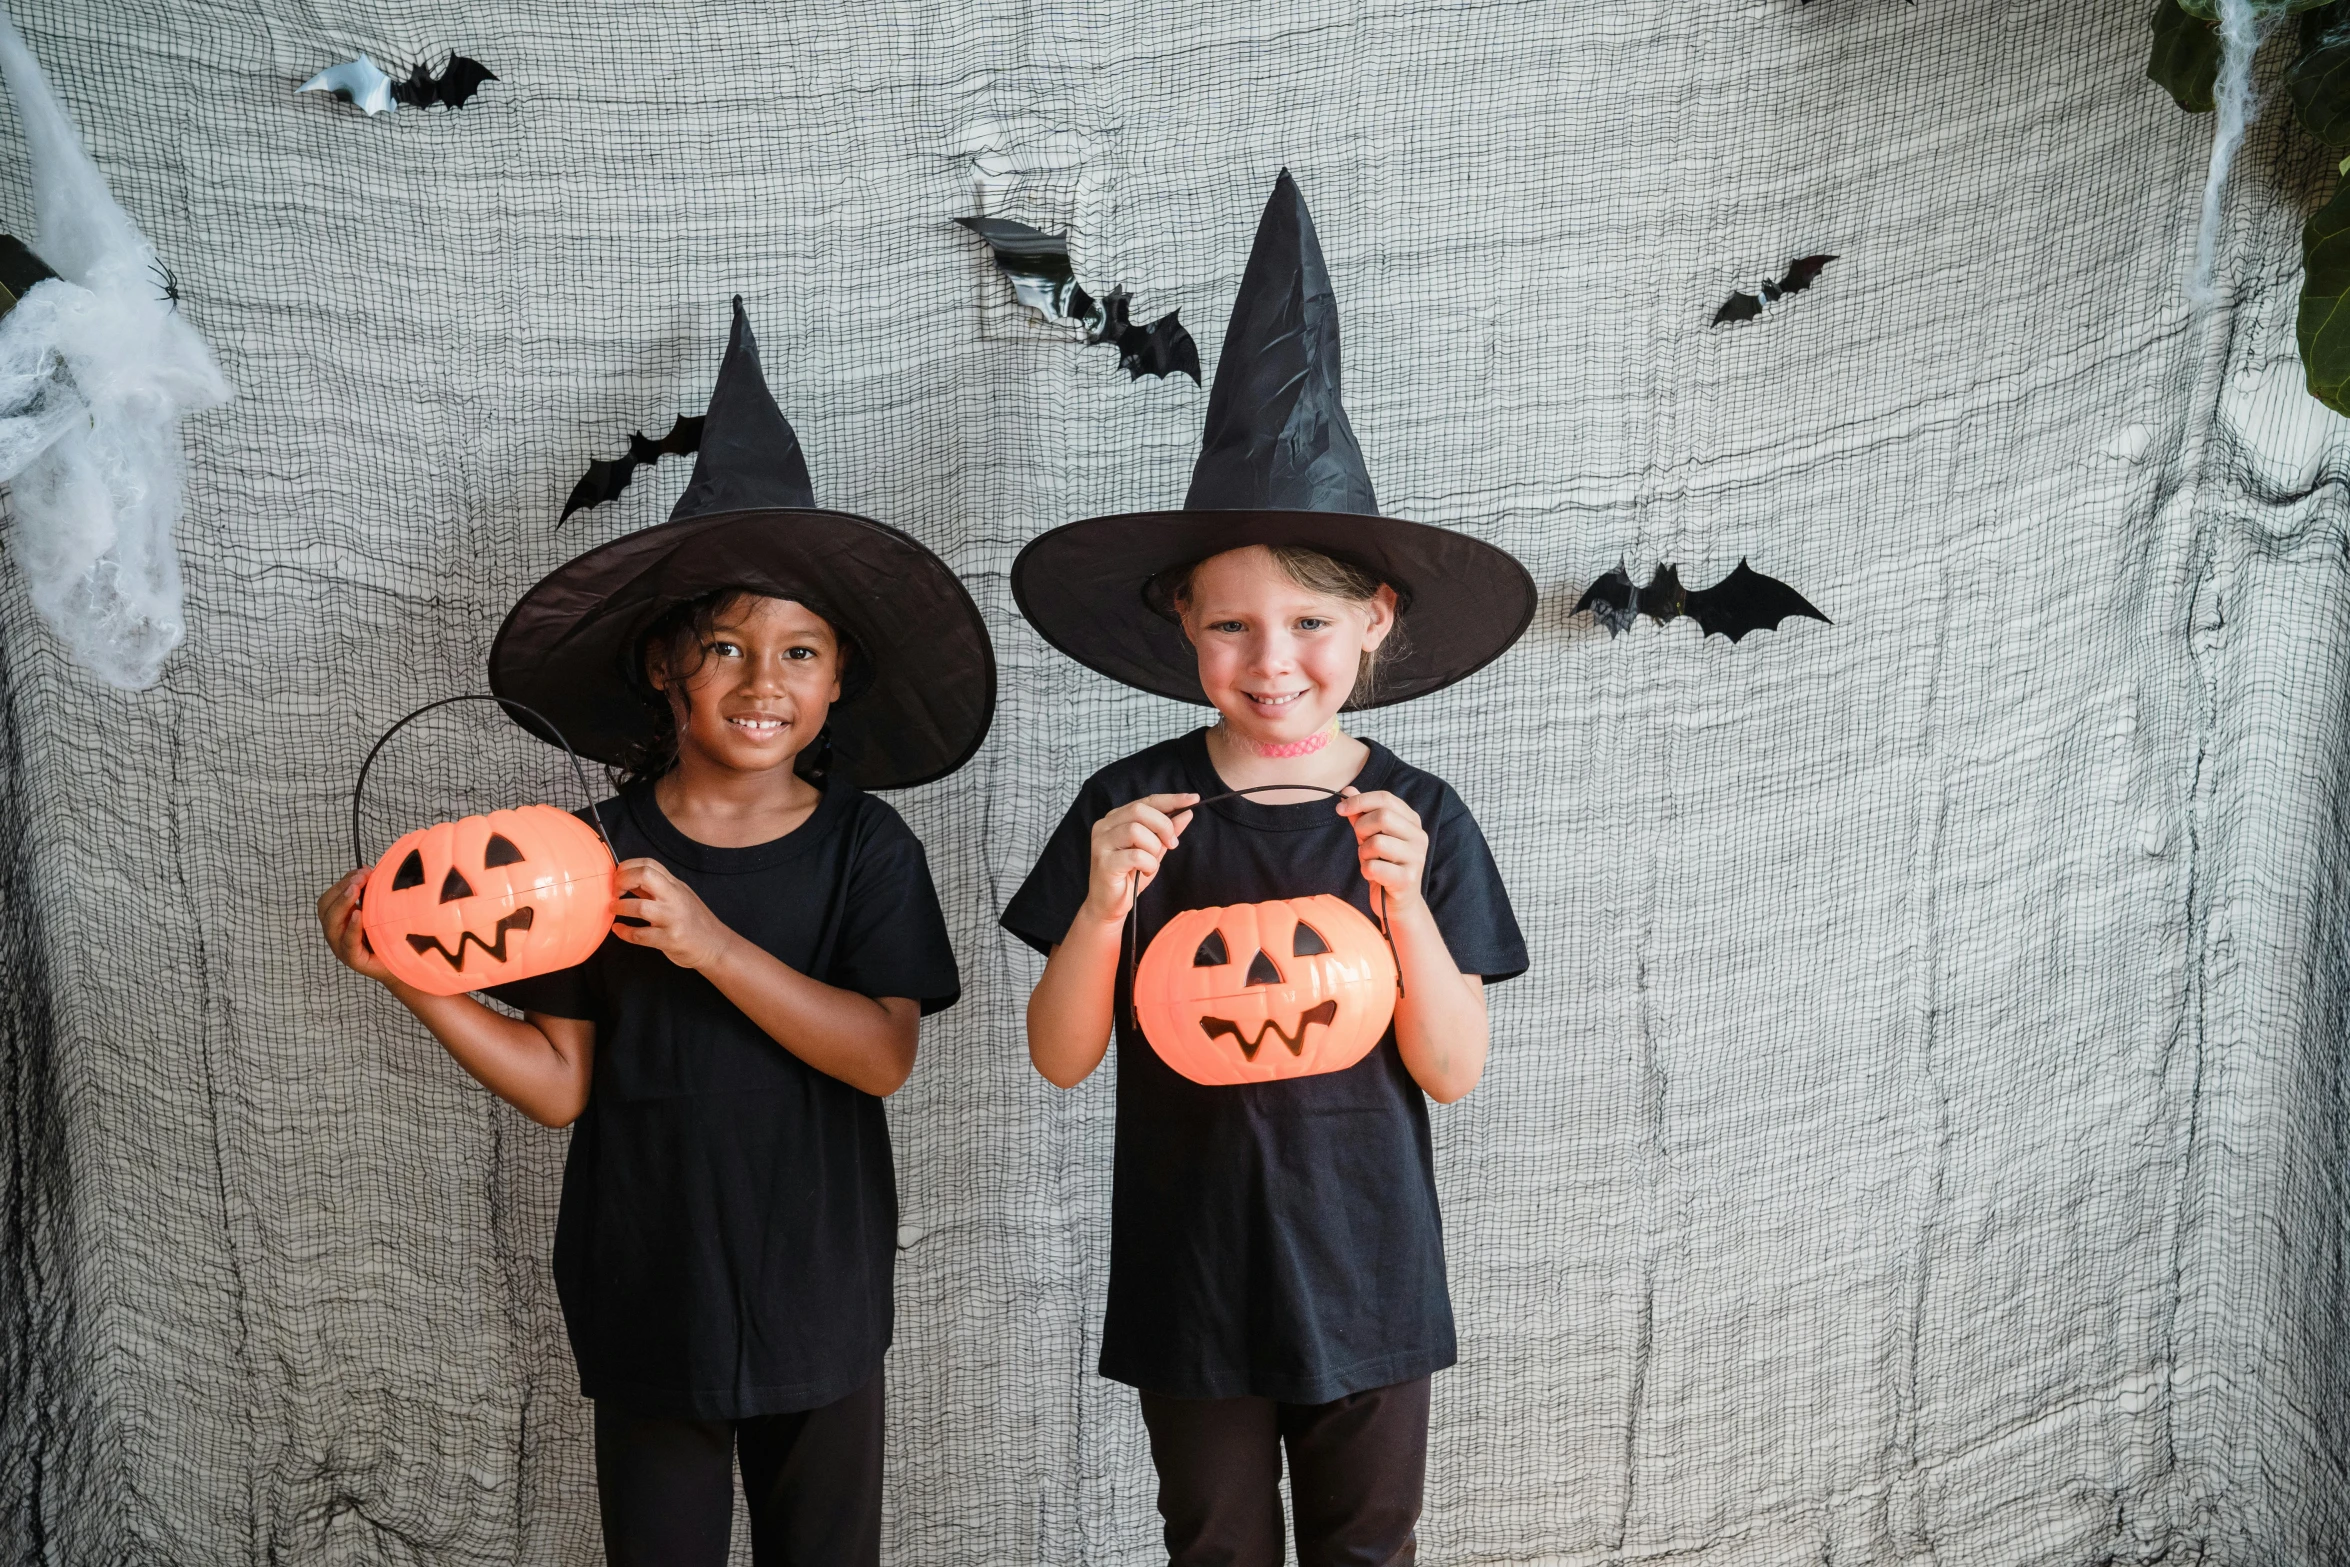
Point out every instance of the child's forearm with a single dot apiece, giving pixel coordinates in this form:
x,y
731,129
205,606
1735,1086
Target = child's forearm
x,y
1440,1023
866,1043
1069,1014
540,1066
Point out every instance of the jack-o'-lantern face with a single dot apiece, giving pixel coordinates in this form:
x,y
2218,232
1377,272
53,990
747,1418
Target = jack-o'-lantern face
x,y
487,899
1260,991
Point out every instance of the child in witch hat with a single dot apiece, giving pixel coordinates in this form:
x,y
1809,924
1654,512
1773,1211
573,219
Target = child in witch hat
x,y
1276,1262
729,1214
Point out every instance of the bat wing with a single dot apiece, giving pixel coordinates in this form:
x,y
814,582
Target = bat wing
x,y
1745,601
460,80
684,437
1007,238
1613,599
358,82
601,482
1739,307
604,480
1802,274
1170,351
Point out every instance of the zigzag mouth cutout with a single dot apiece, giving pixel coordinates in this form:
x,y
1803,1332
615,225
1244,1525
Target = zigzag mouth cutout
x,y
520,919
1216,1028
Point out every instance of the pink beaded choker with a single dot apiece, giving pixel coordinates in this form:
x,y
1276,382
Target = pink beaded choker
x,y
1306,747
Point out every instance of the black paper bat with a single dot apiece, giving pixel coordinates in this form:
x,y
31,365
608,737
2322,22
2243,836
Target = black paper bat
x,y
604,480
1800,276
1038,265
459,80
1741,602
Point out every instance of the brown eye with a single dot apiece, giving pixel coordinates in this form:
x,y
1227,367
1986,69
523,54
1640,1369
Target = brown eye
x,y
410,873
1308,942
454,886
1212,952
501,851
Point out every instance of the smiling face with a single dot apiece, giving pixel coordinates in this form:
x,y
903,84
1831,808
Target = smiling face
x,y
1277,659
768,673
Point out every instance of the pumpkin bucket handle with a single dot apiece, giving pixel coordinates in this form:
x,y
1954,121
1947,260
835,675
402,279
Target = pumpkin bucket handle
x,y
1134,897
358,854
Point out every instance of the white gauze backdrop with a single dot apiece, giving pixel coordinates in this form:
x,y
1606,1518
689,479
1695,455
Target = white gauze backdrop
x,y
1921,1136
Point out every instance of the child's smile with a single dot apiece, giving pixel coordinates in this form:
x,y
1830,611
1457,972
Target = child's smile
x,y
768,676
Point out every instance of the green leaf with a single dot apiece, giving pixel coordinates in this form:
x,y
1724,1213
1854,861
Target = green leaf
x,y
2185,61
2324,326
2319,81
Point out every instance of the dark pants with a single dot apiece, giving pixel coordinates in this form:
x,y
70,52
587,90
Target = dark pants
x,y
1356,1466
812,1479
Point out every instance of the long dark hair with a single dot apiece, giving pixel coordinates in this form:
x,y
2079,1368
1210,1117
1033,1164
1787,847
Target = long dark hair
x,y
680,638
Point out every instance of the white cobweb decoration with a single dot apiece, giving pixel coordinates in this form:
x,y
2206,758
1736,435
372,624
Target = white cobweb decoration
x,y
96,368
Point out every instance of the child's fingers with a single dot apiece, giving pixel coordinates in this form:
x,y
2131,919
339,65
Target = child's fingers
x,y
641,875
1168,802
1157,823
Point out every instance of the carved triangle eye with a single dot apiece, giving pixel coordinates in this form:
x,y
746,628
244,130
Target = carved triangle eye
x,y
501,851
1308,942
1212,952
454,886
1262,972
410,873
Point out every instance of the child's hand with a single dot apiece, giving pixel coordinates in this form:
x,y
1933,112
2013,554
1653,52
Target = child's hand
x,y
1391,842
338,915
670,917
1130,839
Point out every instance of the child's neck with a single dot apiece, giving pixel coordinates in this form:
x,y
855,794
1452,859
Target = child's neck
x,y
1244,765
727,809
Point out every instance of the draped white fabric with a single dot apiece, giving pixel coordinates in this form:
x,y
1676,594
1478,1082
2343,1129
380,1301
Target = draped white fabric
x,y
1921,1137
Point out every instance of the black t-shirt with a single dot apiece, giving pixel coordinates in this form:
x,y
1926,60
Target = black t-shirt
x,y
1279,1239
729,1219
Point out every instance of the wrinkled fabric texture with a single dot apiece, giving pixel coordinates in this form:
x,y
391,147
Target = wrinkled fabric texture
x,y
1919,1135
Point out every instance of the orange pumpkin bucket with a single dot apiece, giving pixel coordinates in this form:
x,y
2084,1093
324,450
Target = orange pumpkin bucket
x,y
483,900
1258,992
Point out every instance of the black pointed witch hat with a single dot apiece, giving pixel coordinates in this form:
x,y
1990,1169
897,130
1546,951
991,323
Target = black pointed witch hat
x,y
920,687
1278,464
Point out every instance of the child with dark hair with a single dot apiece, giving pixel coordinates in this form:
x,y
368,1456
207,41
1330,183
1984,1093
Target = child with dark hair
x,y
728,1227
1276,1256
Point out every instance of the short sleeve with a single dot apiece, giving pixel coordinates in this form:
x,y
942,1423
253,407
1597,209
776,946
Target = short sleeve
x,y
568,992
893,936
1464,891
1049,899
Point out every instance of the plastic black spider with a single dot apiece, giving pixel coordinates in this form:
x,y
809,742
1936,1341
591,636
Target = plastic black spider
x,y
171,285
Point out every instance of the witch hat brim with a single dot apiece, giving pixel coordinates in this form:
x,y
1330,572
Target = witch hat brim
x,y
1094,589
919,691
1278,465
